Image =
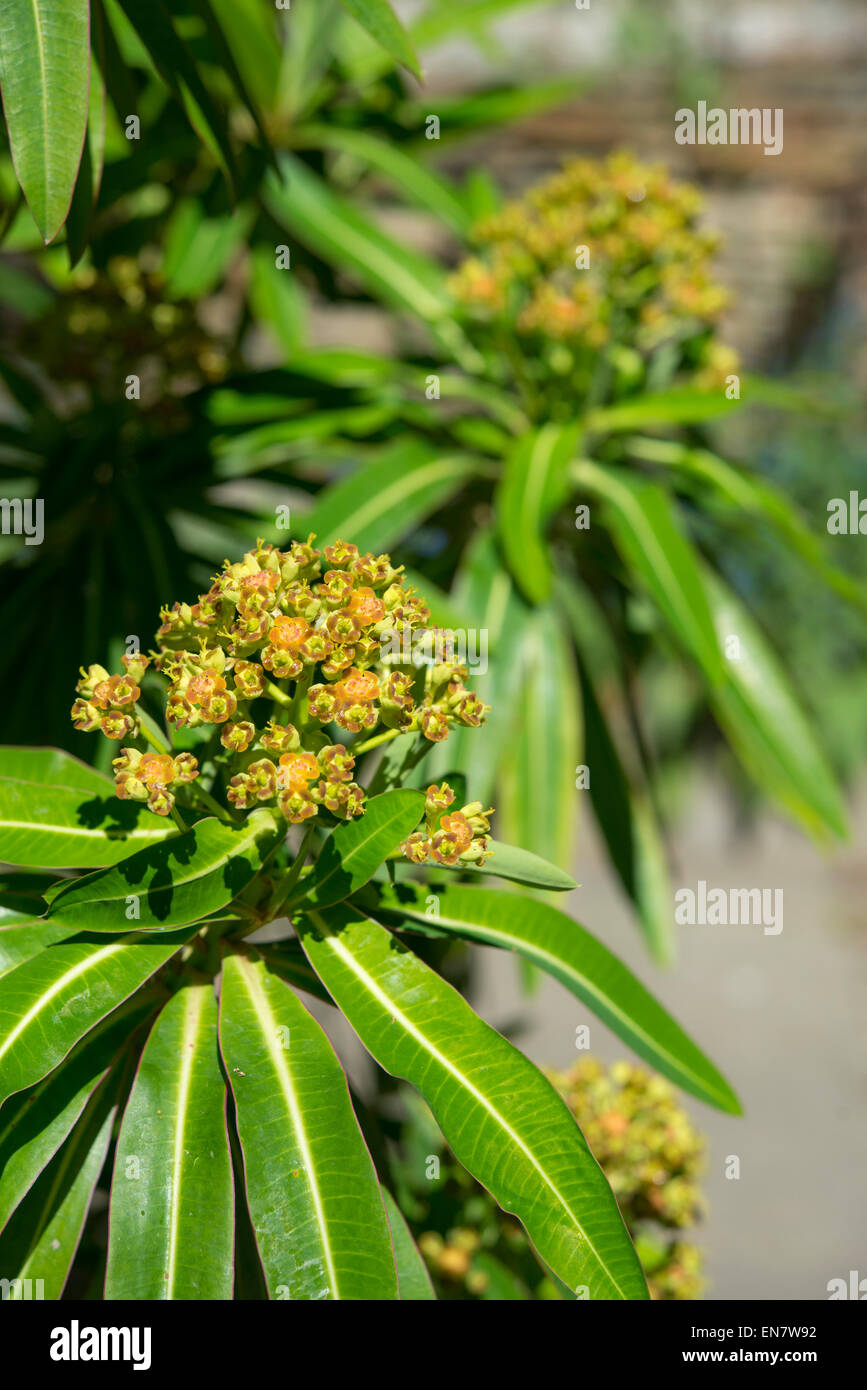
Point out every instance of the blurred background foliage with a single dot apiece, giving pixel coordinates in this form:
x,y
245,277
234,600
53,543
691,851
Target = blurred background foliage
x,y
312,287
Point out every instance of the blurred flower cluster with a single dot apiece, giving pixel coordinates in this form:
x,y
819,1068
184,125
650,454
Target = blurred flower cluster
x,y
595,274
649,1151
267,627
105,326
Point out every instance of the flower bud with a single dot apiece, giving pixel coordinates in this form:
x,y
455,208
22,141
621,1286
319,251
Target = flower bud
x,y
85,716
90,679
135,664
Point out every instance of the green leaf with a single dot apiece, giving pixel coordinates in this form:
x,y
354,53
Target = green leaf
x,y
56,812
383,25
619,787
683,405
34,1123
383,501
18,944
412,1276
287,960
333,228
500,1117
49,1002
278,301
414,182
539,804
42,1237
628,823
177,67
168,885
354,851
87,184
252,36
535,483
44,66
197,250
766,726
172,1192
748,495
313,1195
556,944
647,533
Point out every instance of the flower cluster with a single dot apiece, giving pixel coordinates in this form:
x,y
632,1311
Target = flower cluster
x,y
450,837
103,326
311,635
603,257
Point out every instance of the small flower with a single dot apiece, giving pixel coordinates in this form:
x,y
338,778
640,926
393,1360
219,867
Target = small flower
x,y
438,799
117,725
416,847
434,724
186,768
262,779
216,708
238,737
336,763
249,679
115,691
297,806
156,769
296,770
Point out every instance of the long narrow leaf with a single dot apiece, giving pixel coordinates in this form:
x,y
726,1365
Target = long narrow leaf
x,y
313,1195
44,67
501,1118
172,1194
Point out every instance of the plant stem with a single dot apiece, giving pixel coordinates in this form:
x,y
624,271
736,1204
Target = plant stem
x,y
277,694
149,736
375,742
179,820
284,890
213,805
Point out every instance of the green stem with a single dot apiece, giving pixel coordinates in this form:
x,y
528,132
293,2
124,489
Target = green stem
x,y
375,742
299,700
213,805
277,694
179,820
284,890
149,736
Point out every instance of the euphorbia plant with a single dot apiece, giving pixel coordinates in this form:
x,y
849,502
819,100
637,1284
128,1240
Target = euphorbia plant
x,y
140,1013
